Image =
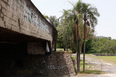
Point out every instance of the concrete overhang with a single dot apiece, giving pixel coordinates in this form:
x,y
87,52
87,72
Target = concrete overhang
x,y
20,19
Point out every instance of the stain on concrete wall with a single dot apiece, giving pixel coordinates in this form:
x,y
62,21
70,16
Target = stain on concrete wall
x,y
31,16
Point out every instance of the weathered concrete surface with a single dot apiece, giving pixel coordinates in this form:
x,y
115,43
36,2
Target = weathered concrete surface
x,y
21,21
23,17
24,35
33,47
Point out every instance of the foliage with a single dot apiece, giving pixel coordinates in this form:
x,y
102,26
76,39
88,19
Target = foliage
x,y
89,15
74,26
60,37
70,51
73,57
63,37
53,20
101,45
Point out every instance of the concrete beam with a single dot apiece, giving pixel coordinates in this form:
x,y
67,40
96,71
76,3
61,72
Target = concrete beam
x,y
23,17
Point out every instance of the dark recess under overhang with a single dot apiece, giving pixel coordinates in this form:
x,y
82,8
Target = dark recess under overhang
x,y
8,36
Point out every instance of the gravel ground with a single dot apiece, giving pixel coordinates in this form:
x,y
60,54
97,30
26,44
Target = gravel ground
x,y
100,64
96,75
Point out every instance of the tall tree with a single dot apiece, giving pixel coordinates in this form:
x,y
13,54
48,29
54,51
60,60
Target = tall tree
x,y
90,15
66,21
78,30
74,26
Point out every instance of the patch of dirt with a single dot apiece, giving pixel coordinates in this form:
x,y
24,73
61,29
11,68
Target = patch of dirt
x,y
97,75
99,64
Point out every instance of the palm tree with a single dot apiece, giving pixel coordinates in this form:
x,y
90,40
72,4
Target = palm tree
x,y
78,30
73,19
70,21
89,16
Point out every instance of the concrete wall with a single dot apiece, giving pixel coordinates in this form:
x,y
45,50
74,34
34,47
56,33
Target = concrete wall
x,y
36,47
23,17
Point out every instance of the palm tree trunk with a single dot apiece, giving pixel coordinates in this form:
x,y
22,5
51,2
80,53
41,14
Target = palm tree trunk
x,y
78,48
79,57
84,57
77,45
84,43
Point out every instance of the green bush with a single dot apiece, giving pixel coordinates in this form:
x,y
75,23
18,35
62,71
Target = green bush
x,y
73,57
70,51
103,45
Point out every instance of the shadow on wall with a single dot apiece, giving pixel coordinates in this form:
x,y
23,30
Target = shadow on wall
x,y
11,56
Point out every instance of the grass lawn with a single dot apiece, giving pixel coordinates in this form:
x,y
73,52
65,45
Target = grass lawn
x,y
110,59
92,72
59,49
107,59
62,50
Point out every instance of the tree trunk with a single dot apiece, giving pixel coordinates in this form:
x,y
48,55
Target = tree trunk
x,y
71,43
84,57
78,57
64,47
55,42
77,61
84,43
77,50
77,46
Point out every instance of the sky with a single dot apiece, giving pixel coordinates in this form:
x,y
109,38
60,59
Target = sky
x,y
107,8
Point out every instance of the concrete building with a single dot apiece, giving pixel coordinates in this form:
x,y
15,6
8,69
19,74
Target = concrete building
x,y
23,31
